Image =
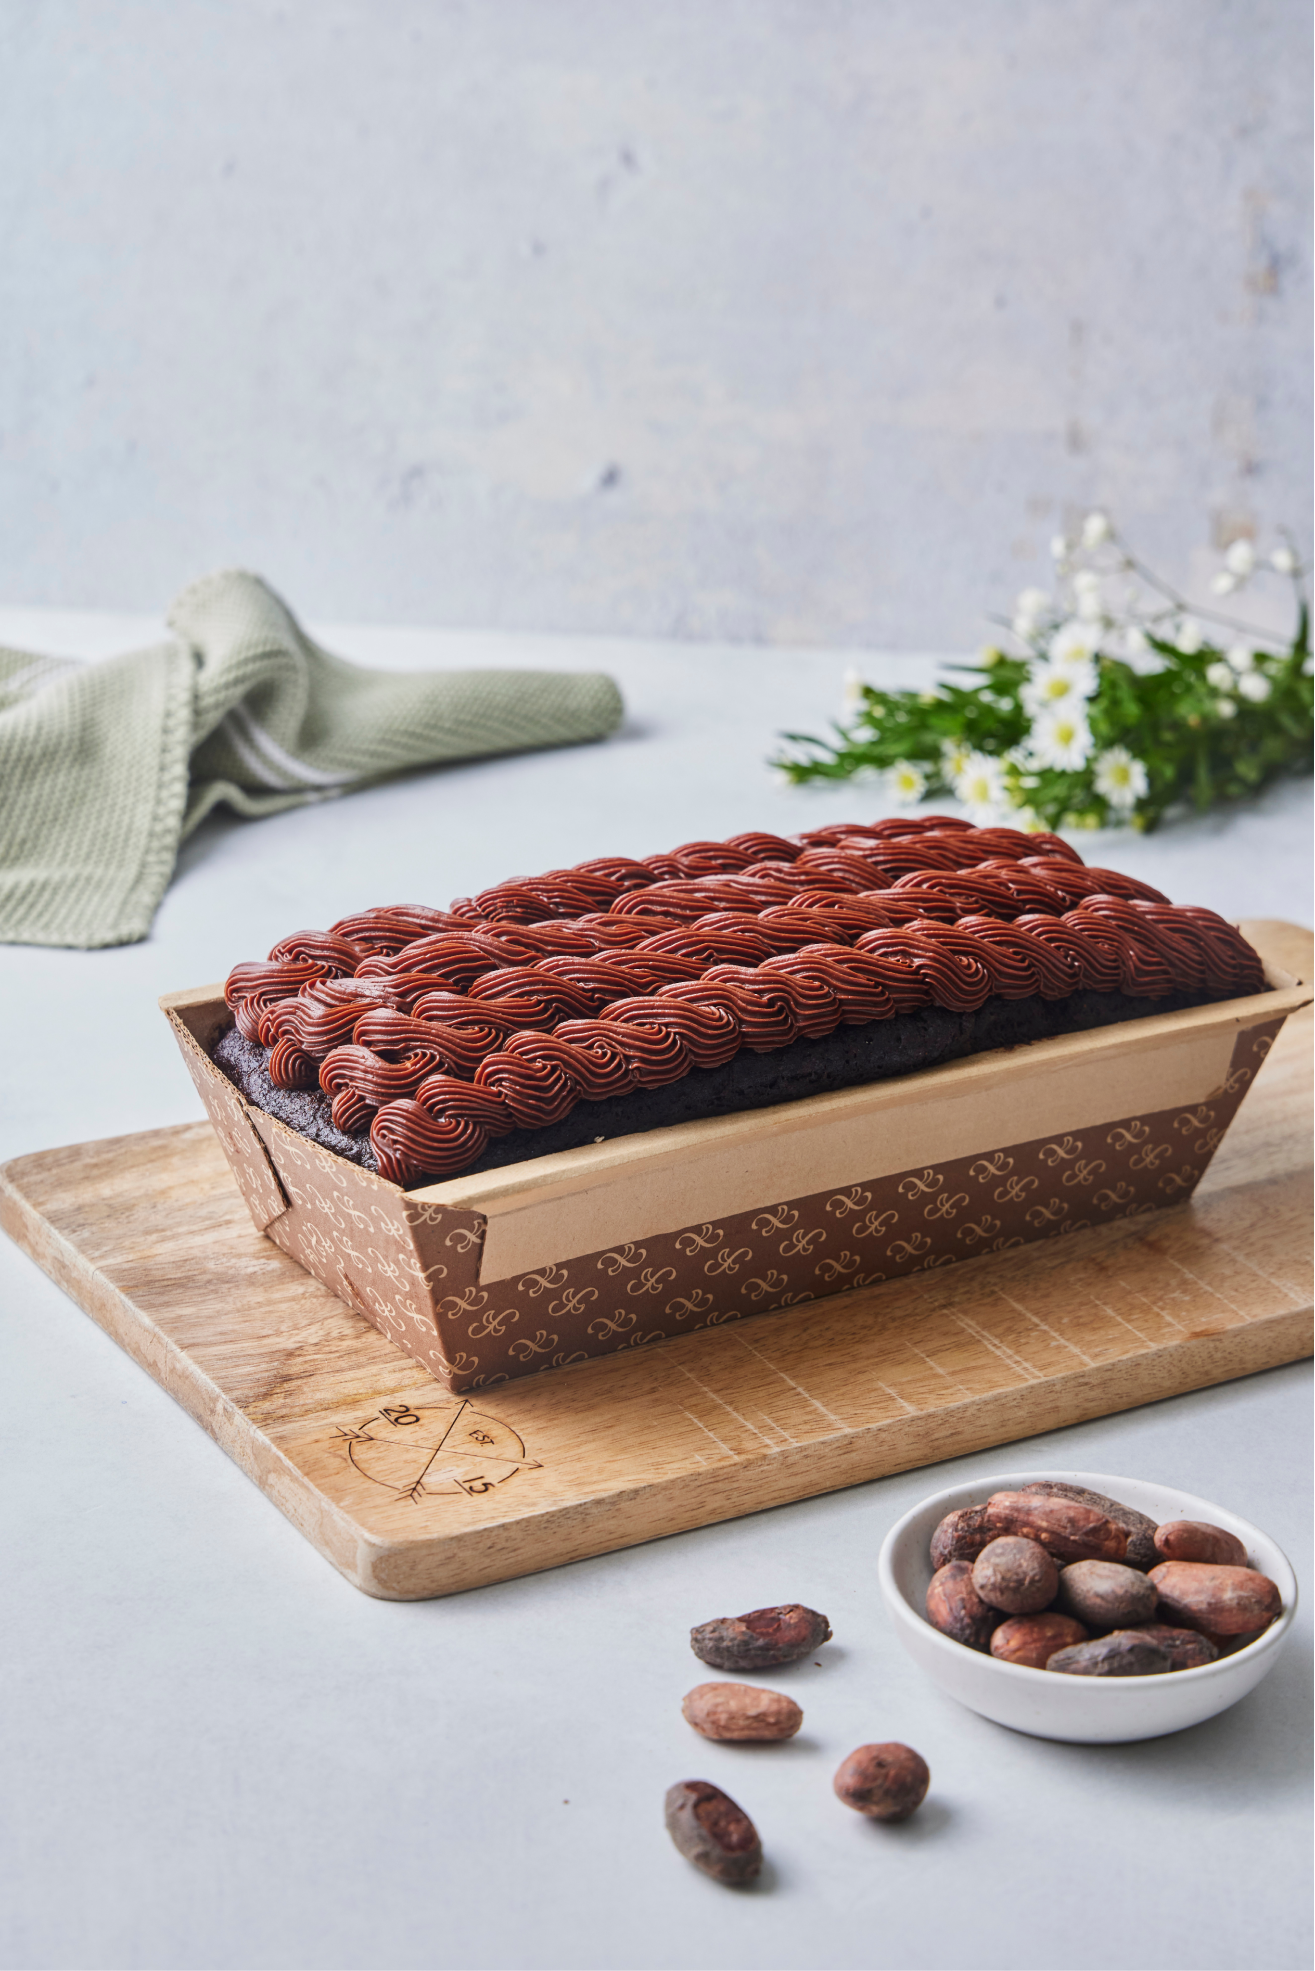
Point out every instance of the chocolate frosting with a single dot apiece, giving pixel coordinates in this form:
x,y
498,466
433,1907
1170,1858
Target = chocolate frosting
x,y
442,1031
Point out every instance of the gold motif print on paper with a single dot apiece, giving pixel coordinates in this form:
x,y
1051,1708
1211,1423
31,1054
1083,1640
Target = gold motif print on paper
x,y
858,1235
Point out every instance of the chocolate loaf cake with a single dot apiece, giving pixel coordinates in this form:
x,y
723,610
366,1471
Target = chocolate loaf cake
x,y
622,995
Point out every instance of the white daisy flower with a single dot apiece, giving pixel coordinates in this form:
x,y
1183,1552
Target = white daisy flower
x,y
1219,677
1061,739
1240,560
1226,708
1053,685
1095,530
1059,547
1075,643
1121,778
1135,640
1224,583
905,784
852,691
955,755
1190,636
980,786
1255,686
1283,561
1241,658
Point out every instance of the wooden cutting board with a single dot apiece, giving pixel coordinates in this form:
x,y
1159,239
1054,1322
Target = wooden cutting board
x,y
411,1492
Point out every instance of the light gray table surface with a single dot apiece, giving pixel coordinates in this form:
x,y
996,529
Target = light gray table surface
x,y
217,1753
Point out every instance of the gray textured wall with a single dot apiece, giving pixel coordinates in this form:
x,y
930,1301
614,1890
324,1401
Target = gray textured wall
x,y
787,320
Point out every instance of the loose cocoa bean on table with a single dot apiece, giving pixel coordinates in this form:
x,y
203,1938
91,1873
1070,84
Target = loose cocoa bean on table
x,y
1033,1639
741,1713
1196,1539
1223,1601
1064,1527
1139,1526
1106,1595
960,1536
1017,1576
714,1833
761,1640
1125,1653
957,1610
885,1782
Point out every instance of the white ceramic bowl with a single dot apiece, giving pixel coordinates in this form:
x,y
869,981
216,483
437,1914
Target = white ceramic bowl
x,y
1094,1710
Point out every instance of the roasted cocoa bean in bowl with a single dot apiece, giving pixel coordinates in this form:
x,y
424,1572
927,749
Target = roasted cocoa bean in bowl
x,y
1106,1595
1174,1667
1220,1601
1067,1528
962,1535
1033,1639
1121,1653
953,1605
1186,1649
1139,1526
1193,1539
1016,1576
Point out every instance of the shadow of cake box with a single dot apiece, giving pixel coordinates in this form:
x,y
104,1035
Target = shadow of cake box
x,y
562,1258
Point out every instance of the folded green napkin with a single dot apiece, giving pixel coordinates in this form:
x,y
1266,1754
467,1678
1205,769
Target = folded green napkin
x,y
105,768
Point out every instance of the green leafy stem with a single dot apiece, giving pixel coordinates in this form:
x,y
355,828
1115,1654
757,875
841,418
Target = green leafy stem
x,y
1149,711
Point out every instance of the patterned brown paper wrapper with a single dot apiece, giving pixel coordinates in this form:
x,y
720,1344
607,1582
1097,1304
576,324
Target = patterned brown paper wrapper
x,y
412,1266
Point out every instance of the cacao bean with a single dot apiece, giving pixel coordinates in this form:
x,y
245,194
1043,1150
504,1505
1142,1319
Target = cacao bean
x,y
1196,1539
1139,1526
1229,1645
1107,1595
956,1609
741,1712
1125,1653
1064,1527
885,1782
712,1832
1033,1639
1017,1576
761,1640
960,1536
1222,1601
1186,1649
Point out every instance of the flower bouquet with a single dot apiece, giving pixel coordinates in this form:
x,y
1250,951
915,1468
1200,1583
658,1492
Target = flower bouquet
x,y
1114,704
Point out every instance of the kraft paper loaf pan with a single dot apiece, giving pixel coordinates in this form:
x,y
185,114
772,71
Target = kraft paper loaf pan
x,y
553,1261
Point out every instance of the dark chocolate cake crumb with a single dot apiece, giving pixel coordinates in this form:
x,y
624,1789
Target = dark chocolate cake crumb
x,y
304,1109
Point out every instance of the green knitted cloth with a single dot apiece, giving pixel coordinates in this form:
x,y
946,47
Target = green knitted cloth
x,y
105,768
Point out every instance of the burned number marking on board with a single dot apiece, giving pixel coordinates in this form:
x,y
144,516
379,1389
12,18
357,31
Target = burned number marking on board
x,y
437,1450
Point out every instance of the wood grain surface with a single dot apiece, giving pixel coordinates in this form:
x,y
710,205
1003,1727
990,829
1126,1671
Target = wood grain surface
x,y
412,1492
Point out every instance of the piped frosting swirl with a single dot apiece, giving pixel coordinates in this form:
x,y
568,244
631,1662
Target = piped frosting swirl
x,y
443,1030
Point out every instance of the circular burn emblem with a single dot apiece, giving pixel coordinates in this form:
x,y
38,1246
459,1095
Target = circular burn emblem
x,y
415,1451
